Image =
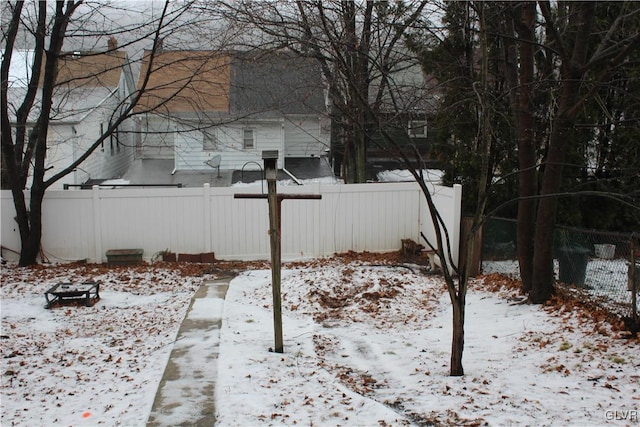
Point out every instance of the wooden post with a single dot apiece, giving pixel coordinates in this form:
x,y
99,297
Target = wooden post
x,y
275,202
274,232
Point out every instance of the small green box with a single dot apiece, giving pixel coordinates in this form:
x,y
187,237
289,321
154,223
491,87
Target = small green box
x,y
124,256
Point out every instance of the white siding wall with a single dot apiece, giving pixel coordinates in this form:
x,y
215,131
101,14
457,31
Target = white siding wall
x,y
61,142
109,160
191,156
68,141
302,137
156,138
362,217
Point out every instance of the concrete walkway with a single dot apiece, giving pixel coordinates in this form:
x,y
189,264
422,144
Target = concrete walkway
x,y
185,396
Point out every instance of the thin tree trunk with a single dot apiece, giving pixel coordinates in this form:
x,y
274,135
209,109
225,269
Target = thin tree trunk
x,y
526,150
457,341
360,158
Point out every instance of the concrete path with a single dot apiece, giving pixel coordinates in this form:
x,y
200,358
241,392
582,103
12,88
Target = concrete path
x,y
185,396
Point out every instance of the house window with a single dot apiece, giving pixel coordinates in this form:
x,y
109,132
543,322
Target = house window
x,y
210,140
418,128
248,138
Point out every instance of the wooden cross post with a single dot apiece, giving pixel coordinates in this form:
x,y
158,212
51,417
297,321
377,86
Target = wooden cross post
x,y
275,210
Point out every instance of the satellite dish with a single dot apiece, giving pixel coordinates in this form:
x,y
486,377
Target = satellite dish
x,y
214,162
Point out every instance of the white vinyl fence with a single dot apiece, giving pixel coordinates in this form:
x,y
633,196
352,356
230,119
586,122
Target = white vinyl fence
x,y
84,224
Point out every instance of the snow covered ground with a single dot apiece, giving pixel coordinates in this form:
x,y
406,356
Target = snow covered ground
x,y
605,282
364,345
403,175
87,366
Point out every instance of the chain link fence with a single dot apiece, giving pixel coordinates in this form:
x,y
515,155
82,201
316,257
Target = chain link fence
x,y
598,265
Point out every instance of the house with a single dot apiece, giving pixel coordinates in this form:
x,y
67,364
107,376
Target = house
x,y
401,104
91,88
222,109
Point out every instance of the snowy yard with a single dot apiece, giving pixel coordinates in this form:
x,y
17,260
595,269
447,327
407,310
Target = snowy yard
x,y
605,282
364,345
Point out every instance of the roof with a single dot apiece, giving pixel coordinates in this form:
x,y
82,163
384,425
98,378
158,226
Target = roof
x,y
69,106
91,69
275,83
84,81
185,81
261,85
75,69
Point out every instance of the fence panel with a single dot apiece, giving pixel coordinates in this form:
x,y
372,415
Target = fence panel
x,y
445,200
66,217
85,224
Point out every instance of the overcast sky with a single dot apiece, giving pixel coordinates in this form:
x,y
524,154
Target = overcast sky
x,y
93,20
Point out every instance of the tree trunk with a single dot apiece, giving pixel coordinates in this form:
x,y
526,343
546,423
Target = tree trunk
x,y
543,275
457,341
31,246
572,74
526,149
360,158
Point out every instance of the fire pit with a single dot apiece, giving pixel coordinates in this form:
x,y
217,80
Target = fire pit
x,y
73,292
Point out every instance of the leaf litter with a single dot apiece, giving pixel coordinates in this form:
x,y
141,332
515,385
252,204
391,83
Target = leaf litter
x,y
367,341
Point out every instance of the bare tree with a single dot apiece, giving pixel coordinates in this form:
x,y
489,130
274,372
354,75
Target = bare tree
x,y
24,152
360,49
568,60
556,58
577,63
354,43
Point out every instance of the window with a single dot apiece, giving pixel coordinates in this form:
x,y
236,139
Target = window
x,y
418,128
210,140
248,138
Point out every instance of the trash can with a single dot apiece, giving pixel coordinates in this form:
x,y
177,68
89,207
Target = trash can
x,y
573,260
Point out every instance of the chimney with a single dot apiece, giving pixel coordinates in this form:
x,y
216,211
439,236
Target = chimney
x,y
112,43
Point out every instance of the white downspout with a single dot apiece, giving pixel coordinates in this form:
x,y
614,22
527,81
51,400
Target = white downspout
x,y
296,180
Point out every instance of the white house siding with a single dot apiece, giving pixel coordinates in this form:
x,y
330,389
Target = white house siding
x,y
302,137
115,154
190,154
61,143
156,138
68,141
75,125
